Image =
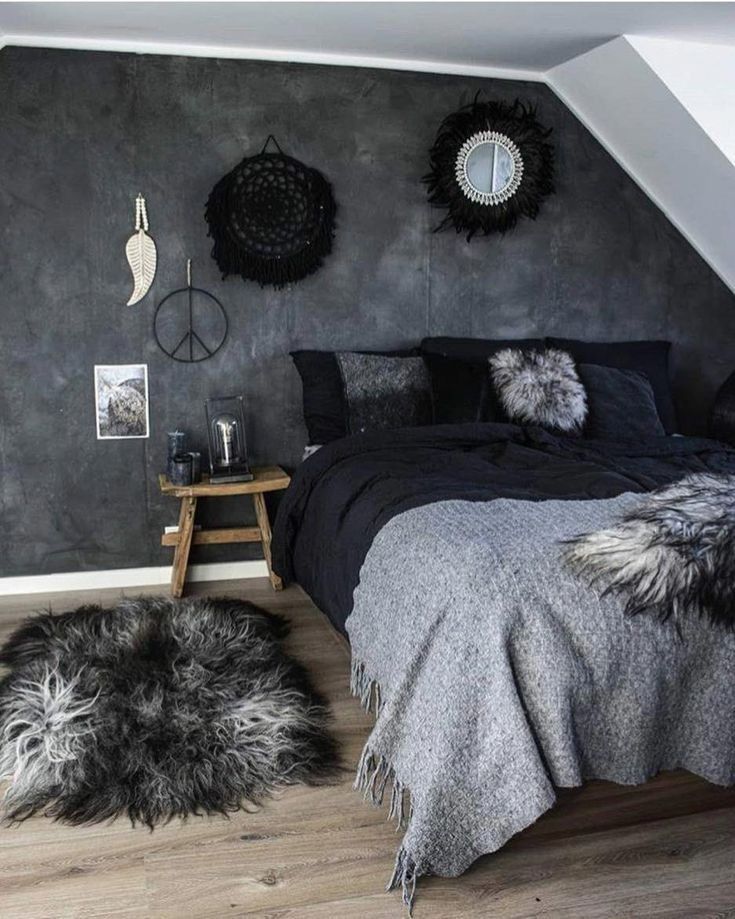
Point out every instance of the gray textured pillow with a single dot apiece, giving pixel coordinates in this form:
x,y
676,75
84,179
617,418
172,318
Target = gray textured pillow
x,y
384,392
539,387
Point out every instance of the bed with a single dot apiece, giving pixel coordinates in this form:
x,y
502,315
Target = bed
x,y
403,586
495,673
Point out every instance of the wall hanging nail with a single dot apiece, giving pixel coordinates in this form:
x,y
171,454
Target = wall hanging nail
x,y
141,254
271,219
190,324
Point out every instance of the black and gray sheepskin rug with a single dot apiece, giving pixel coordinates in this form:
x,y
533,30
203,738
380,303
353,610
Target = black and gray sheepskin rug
x,y
155,709
672,555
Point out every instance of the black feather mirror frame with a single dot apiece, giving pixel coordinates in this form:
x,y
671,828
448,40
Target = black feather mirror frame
x,y
491,164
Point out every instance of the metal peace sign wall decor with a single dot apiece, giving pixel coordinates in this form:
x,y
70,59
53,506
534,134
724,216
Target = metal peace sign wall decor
x,y
190,324
490,165
271,219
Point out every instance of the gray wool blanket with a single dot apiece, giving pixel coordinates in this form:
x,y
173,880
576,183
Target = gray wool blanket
x,y
496,675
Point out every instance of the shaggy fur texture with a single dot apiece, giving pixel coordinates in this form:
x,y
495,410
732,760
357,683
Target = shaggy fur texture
x,y
539,387
155,709
673,555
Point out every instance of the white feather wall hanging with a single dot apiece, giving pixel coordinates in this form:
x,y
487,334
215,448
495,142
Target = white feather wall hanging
x,y
141,254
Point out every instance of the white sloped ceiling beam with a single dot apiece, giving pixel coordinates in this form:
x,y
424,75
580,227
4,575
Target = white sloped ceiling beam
x,y
635,114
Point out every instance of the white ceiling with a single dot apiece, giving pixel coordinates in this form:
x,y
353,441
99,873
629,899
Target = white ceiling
x,y
457,37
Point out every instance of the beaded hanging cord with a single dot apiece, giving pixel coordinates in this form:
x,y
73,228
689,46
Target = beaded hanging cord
x,y
271,219
140,251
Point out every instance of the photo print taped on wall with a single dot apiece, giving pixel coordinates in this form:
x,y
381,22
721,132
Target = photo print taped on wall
x,y
121,399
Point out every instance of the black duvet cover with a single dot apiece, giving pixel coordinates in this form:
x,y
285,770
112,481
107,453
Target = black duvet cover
x,y
342,495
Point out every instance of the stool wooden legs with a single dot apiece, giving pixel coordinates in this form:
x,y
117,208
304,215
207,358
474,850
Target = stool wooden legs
x,y
181,555
185,535
265,537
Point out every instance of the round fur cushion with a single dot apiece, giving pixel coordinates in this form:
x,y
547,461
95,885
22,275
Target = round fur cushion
x,y
156,708
539,387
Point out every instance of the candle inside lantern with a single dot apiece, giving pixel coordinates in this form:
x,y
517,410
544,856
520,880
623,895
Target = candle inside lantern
x,y
227,451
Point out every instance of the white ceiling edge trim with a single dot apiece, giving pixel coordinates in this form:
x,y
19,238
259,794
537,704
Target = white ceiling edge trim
x,y
622,161
270,54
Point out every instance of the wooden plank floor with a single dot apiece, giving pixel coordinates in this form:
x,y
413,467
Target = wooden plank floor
x,y
666,849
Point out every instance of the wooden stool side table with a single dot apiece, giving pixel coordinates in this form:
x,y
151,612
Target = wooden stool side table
x,y
265,478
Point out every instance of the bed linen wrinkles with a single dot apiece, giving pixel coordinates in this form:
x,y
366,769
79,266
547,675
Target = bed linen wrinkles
x,y
342,496
501,676
494,673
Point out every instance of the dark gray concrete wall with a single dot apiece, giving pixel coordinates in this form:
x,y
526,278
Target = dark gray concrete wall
x,y
81,133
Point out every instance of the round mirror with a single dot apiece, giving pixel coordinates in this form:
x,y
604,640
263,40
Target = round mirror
x,y
490,167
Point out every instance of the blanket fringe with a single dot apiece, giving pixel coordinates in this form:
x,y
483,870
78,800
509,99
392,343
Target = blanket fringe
x,y
374,775
404,875
367,690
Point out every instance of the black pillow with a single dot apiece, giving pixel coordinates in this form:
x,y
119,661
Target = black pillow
x,y
324,404
459,376
460,389
326,412
650,358
620,404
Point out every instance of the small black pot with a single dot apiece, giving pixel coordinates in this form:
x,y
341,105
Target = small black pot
x,y
180,469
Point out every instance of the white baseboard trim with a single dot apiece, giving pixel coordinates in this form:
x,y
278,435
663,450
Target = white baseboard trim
x,y
128,577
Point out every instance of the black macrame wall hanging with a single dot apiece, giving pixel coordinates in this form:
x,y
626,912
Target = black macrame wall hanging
x,y
271,219
490,164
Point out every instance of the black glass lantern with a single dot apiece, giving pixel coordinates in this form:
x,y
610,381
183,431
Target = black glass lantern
x,y
228,458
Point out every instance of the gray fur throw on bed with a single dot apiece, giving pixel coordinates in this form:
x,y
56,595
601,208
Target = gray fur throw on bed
x,y
539,387
673,554
154,709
